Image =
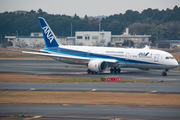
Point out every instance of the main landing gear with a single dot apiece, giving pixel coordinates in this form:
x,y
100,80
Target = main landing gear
x,y
115,70
91,72
164,72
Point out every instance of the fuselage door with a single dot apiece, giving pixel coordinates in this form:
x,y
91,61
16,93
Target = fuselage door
x,y
58,50
88,53
127,56
156,58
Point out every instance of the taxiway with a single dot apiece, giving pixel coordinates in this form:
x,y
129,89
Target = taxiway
x,y
53,67
88,112
170,88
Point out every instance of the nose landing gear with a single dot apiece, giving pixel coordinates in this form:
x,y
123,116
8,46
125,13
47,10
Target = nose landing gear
x,y
164,72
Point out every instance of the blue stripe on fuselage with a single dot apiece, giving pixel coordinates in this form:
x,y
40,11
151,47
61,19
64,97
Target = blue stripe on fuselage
x,y
92,55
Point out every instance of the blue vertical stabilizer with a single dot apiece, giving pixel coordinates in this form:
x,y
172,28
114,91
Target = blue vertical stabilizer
x,y
49,37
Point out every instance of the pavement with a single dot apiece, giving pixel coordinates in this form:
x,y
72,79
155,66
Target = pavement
x,y
53,67
88,112
160,88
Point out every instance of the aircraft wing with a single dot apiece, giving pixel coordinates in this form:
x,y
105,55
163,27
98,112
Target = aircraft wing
x,y
68,56
57,55
34,50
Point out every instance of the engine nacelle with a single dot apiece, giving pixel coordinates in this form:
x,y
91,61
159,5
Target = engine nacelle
x,y
98,65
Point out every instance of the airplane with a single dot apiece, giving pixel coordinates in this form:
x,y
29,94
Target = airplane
x,y
99,59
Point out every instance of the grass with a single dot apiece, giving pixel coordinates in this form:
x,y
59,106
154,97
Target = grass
x,y
5,54
11,77
176,55
176,69
17,55
92,98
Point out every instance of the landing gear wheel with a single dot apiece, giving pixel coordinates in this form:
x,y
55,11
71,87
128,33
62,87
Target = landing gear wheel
x,y
111,70
114,70
119,70
89,71
164,74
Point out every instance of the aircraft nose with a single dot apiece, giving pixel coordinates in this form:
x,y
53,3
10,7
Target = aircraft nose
x,y
175,63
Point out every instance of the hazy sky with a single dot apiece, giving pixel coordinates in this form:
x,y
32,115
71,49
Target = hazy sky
x,y
86,7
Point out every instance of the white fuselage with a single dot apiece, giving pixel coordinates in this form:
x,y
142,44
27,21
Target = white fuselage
x,y
126,57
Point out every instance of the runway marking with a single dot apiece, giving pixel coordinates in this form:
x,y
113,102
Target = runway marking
x,y
32,117
93,89
36,116
33,88
153,91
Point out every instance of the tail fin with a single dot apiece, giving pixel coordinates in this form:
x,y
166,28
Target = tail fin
x,y
49,37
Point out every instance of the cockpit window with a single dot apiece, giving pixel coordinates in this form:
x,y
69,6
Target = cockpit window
x,y
169,57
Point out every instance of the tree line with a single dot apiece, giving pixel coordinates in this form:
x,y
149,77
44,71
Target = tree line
x,y
161,25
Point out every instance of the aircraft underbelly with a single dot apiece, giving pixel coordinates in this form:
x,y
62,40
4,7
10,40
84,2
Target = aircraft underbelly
x,y
144,66
148,66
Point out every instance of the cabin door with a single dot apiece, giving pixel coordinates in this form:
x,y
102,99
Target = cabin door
x,y
58,50
156,58
127,56
88,53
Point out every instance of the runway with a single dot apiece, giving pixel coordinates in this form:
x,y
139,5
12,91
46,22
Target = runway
x,y
160,88
89,112
53,67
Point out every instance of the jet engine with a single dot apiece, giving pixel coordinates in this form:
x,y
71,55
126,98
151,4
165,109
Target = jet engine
x,y
98,65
